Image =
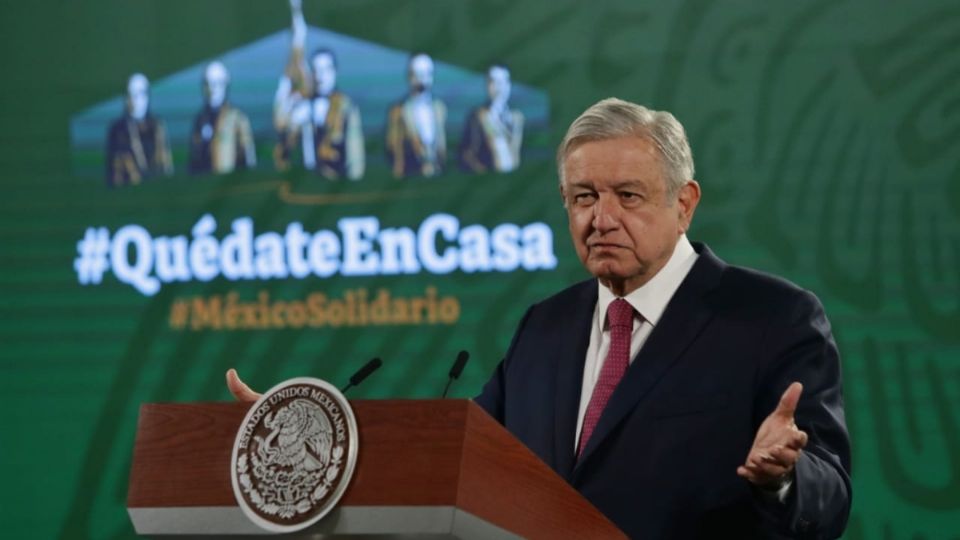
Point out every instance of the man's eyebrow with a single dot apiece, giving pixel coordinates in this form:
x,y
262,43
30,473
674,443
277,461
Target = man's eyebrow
x,y
636,185
619,184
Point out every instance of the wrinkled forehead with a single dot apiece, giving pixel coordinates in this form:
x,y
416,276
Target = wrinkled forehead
x,y
622,157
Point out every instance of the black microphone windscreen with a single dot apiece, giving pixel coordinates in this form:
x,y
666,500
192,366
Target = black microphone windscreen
x,y
365,371
458,364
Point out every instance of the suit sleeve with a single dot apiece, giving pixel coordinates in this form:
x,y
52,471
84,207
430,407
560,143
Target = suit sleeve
x,y
493,396
803,349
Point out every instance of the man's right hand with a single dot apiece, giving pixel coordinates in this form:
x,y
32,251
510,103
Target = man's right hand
x,y
239,389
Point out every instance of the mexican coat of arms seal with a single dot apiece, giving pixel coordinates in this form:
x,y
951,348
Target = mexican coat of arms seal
x,y
294,454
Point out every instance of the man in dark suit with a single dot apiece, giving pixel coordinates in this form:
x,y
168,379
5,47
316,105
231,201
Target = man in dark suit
x,y
493,132
137,147
221,140
685,398
416,126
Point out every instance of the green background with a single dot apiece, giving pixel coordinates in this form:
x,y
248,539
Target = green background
x,y
827,142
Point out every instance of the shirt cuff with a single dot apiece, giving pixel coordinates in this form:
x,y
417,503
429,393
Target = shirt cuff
x,y
778,493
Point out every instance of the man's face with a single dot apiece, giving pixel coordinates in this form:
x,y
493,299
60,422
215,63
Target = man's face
x,y
138,96
324,73
498,84
216,78
421,73
623,225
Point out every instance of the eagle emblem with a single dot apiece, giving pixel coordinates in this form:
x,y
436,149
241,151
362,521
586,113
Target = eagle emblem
x,y
291,454
300,437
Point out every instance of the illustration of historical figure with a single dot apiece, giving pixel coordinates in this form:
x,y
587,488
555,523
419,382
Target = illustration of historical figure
x,y
221,139
416,136
311,115
493,133
137,146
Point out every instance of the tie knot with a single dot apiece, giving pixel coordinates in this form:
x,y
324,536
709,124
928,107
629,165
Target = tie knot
x,y
620,313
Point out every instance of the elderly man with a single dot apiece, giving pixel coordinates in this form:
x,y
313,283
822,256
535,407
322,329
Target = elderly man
x,y
221,139
684,397
137,146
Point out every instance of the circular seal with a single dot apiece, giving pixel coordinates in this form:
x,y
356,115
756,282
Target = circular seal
x,y
294,454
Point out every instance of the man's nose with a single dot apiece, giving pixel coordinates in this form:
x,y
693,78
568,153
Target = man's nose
x,y
606,214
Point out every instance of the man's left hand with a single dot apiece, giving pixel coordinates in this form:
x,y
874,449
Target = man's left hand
x,y
777,446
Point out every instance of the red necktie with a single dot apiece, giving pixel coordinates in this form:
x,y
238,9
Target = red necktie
x,y
620,320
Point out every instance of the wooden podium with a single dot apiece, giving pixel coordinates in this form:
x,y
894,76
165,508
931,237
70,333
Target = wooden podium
x,y
431,468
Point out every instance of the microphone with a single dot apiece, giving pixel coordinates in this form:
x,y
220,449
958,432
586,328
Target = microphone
x,y
456,370
363,373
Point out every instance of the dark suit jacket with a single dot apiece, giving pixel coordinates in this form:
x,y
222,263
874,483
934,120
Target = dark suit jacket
x,y
663,458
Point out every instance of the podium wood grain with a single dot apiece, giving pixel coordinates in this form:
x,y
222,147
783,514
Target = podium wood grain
x,y
411,453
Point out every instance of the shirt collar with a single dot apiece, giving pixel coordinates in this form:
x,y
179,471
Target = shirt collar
x,y
651,299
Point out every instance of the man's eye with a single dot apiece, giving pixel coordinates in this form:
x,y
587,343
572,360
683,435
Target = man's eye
x,y
584,199
630,197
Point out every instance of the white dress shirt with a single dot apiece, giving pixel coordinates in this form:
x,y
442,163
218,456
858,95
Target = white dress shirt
x,y
650,300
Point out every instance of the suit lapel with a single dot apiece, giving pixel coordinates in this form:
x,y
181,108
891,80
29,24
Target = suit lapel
x,y
572,351
681,323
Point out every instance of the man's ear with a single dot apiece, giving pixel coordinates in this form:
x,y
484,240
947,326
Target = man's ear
x,y
687,199
563,196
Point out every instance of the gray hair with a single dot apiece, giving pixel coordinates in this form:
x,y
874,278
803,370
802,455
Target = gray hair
x,y
614,118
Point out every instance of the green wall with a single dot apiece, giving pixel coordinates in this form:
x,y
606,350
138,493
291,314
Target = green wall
x,y
826,137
